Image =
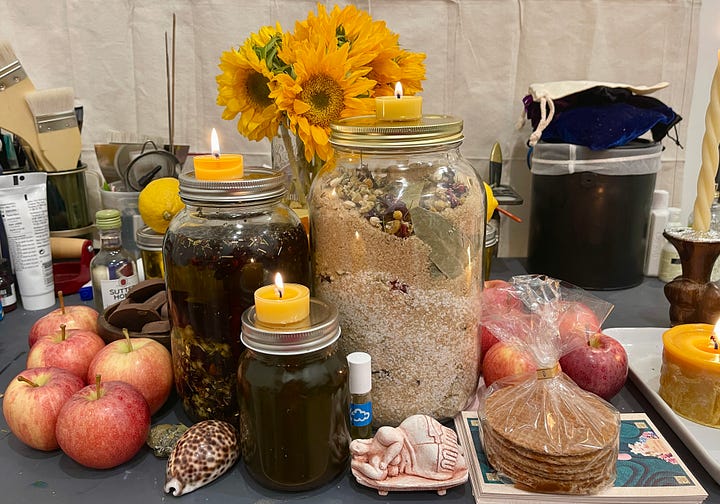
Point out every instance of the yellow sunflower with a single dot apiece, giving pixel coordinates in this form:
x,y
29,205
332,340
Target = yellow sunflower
x,y
243,86
394,64
325,88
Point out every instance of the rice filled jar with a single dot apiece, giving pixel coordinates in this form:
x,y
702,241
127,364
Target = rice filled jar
x,y
397,227
231,238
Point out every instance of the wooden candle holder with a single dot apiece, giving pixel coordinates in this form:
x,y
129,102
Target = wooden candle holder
x,y
693,297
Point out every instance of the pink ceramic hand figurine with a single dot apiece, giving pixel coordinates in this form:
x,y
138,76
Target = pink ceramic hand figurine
x,y
419,448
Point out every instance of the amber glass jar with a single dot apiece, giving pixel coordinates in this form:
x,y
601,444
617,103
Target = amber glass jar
x,y
397,227
231,238
294,399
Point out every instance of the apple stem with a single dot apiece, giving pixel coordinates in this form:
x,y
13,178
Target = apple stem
x,y
127,338
62,332
98,386
62,301
29,382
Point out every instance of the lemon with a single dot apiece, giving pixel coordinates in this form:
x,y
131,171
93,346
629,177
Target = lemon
x,y
492,203
158,203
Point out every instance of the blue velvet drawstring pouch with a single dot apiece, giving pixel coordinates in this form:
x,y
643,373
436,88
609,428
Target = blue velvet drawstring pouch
x,y
602,118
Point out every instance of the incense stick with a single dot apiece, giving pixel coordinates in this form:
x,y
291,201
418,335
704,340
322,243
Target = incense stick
x,y
511,215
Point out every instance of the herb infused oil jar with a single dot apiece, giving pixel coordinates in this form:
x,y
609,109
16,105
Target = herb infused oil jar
x,y
294,399
231,238
397,228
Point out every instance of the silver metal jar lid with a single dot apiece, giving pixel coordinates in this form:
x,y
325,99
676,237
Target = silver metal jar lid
x,y
320,329
256,184
368,133
147,239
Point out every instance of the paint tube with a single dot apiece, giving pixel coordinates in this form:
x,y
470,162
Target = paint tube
x,y
23,207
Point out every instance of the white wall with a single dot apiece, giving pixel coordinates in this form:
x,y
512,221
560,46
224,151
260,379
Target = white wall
x,y
707,59
481,57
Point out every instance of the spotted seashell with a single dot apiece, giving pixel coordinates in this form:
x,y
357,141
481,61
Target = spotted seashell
x,y
203,454
163,438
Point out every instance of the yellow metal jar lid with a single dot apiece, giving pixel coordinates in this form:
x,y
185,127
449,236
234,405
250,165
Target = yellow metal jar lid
x,y
367,133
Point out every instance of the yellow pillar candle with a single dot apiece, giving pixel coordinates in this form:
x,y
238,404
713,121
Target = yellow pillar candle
x,y
282,304
398,107
690,373
218,166
709,163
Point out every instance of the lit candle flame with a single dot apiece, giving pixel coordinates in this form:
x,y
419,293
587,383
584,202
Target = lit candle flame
x,y
214,144
279,285
398,90
713,336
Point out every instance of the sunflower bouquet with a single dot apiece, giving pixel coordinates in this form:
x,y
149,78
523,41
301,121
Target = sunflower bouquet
x,y
331,66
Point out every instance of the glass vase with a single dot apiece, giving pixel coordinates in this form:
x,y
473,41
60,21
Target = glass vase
x,y
288,155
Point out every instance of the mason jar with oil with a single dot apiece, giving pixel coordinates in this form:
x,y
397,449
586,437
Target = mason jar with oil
x,y
150,244
231,238
294,400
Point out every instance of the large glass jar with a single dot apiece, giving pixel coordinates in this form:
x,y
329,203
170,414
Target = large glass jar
x,y
397,227
232,237
294,400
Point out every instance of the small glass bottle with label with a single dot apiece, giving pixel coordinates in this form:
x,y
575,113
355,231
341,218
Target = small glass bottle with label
x,y
360,384
113,269
670,265
8,296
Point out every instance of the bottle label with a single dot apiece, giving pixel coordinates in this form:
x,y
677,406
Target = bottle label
x,y
360,414
116,290
8,296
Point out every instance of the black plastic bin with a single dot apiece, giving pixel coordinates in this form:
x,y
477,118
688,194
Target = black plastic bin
x,y
590,212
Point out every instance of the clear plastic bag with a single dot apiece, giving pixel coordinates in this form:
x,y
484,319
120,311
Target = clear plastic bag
x,y
540,429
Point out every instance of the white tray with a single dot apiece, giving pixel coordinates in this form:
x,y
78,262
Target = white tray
x,y
644,348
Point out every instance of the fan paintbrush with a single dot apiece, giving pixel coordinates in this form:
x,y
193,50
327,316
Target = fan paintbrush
x,y
15,115
57,126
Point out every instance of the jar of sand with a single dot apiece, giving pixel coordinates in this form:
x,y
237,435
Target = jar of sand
x,y
397,223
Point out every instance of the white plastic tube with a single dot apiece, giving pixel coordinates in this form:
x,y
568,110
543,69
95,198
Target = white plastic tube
x,y
23,207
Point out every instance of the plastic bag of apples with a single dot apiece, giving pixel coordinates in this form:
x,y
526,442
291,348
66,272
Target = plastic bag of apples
x,y
539,428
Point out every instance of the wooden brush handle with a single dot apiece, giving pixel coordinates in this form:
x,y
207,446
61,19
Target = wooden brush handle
x,y
68,248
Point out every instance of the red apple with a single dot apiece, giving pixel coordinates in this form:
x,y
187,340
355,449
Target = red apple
x,y
600,366
487,340
74,317
72,349
497,303
505,360
496,295
32,401
577,321
103,425
141,362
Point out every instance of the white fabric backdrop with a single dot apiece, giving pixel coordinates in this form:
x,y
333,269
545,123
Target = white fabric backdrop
x,y
481,57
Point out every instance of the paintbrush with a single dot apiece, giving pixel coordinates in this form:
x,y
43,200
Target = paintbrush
x,y
57,126
15,116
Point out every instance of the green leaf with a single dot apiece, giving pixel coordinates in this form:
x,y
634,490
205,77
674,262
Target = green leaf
x,y
412,193
446,244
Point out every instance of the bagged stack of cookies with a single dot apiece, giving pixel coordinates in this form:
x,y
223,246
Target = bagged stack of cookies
x,y
541,430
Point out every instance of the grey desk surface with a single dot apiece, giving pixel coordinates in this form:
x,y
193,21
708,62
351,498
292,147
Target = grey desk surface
x,y
30,476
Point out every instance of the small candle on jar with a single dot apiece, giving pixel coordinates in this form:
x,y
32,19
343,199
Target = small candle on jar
x,y
282,304
398,107
218,166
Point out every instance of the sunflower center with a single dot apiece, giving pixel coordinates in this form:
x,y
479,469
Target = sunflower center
x,y
256,89
325,97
